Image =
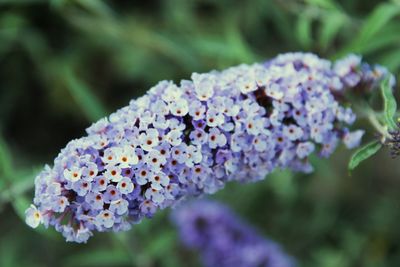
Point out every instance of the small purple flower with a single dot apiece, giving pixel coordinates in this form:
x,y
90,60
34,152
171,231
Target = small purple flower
x,y
148,208
204,86
33,216
73,174
304,149
105,219
95,200
347,68
179,108
216,138
174,137
353,139
274,91
179,153
193,155
223,240
293,132
143,175
260,143
125,186
81,187
113,173
214,118
119,207
90,171
100,184
155,195
111,194
198,137
159,181
197,110
154,159
149,139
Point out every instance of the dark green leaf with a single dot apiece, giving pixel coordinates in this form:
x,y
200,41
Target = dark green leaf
x,y
5,159
328,4
364,153
303,31
391,60
331,25
385,38
375,22
89,103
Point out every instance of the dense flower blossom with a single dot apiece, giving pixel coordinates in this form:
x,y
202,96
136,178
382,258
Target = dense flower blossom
x,y
190,139
223,240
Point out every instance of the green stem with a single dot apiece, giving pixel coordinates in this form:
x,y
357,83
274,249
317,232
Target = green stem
x,y
372,118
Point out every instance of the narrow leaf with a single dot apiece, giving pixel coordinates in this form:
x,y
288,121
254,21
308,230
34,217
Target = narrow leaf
x,y
5,158
375,22
328,4
391,60
390,105
364,153
384,39
303,31
330,27
83,95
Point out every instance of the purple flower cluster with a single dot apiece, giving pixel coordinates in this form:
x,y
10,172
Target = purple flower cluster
x,y
223,240
190,139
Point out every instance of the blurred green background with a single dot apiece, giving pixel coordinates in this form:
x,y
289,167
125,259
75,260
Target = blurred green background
x,y
65,64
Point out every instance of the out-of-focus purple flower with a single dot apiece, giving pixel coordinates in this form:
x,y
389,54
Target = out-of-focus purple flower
x,y
223,240
187,140
352,139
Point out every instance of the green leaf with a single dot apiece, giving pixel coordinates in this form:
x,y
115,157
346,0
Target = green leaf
x,y
5,158
328,4
391,60
390,105
303,31
20,204
99,8
364,153
383,40
83,95
374,24
22,182
330,27
377,20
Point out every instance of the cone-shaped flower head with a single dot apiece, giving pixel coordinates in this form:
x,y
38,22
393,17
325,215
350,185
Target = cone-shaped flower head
x,y
190,139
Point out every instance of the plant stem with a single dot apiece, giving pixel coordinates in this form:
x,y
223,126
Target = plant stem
x,y
378,126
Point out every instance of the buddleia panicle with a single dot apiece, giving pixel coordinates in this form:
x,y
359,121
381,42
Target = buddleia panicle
x,y
190,139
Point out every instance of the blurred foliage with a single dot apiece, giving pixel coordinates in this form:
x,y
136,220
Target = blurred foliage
x,y
64,64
